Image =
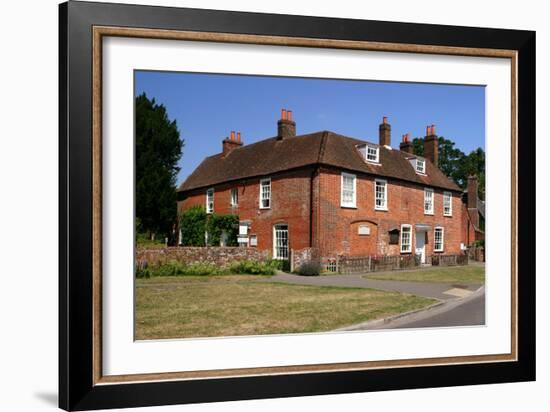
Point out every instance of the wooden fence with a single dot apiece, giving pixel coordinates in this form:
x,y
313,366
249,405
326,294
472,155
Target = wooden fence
x,y
364,264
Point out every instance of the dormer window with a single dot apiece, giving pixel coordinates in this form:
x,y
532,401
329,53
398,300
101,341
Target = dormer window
x,y
370,153
419,164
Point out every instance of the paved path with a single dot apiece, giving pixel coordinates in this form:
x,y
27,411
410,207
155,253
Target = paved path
x,y
441,291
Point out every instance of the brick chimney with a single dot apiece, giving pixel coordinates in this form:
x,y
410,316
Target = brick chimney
x,y
286,127
406,144
472,200
431,145
232,142
384,131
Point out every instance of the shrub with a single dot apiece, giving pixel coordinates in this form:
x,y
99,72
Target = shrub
x,y
143,273
142,270
175,268
311,268
193,226
217,224
252,267
479,243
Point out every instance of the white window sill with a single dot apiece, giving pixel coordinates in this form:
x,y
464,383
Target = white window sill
x,y
439,251
405,252
448,215
349,206
265,208
429,213
381,209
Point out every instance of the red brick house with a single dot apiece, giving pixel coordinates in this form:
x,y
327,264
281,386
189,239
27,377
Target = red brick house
x,y
337,194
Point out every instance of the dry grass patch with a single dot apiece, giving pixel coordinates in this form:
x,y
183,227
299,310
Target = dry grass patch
x,y
469,274
245,305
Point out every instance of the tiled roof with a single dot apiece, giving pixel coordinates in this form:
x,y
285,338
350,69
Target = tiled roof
x,y
273,155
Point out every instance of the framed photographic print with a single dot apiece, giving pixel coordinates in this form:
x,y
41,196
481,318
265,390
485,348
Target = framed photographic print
x,y
258,206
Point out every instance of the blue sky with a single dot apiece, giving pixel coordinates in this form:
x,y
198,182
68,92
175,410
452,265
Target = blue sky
x,y
208,106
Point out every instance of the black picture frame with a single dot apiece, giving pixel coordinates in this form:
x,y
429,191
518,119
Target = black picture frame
x,y
76,386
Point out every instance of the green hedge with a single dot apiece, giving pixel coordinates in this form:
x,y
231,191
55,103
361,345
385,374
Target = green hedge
x,y
174,268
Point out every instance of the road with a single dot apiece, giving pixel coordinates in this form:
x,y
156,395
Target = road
x,y
469,312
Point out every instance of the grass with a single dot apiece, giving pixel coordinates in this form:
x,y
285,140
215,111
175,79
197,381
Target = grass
x,y
236,305
470,274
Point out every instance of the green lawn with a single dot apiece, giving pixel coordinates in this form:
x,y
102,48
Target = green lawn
x,y
469,274
231,305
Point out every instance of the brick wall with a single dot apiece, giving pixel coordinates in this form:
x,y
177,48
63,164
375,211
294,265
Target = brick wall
x,y
220,256
337,232
290,204
311,198
301,256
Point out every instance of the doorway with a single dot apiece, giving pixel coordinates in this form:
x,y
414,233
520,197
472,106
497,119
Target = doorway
x,y
280,242
420,246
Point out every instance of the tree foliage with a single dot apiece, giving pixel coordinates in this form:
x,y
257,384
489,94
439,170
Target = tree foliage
x,y
193,226
158,150
456,164
195,223
217,224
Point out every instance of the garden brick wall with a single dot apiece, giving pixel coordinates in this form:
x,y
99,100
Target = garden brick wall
x,y
219,256
301,256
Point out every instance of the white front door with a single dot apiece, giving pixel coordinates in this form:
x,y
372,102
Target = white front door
x,y
421,245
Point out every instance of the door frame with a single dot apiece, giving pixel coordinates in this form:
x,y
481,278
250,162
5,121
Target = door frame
x,y
275,255
423,237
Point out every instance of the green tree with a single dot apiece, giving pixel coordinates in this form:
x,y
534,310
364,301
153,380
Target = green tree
x,y
474,164
193,226
455,164
158,150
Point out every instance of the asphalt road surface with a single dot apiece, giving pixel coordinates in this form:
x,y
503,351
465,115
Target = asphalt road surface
x,y
469,313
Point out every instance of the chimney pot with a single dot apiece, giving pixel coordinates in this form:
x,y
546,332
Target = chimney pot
x,y
405,145
230,143
385,120
286,127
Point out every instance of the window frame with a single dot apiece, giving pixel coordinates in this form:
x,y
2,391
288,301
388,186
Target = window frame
x,y
408,226
442,248
423,171
432,191
353,203
385,206
234,197
377,152
448,195
262,182
209,192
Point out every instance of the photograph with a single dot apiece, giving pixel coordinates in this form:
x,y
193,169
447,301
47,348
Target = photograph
x,y
269,205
